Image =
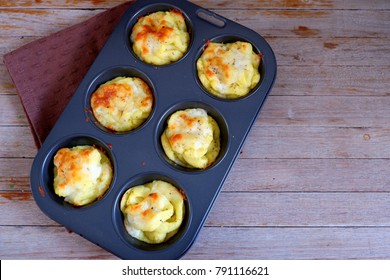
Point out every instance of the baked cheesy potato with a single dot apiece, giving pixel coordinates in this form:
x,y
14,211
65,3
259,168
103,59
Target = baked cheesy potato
x,y
122,104
82,174
229,70
191,138
161,37
153,212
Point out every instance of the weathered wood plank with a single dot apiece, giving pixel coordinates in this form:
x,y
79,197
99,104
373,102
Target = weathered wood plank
x,y
300,209
15,174
209,4
266,209
316,142
313,23
263,142
212,243
331,51
22,210
309,175
6,84
339,111
312,179
332,80
280,23
340,60
335,76
316,55
47,243
293,78
38,22
297,80
11,111
10,43
16,142
261,175
291,243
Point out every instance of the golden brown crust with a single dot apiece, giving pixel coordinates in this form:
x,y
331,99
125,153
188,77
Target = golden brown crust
x,y
153,212
161,37
122,104
192,138
82,174
229,70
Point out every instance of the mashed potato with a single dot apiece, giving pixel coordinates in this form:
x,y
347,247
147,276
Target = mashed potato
x,y
82,174
229,70
122,104
192,138
153,212
161,37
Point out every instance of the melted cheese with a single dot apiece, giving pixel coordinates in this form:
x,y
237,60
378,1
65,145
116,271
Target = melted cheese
x,y
82,174
122,104
229,70
191,139
160,38
153,212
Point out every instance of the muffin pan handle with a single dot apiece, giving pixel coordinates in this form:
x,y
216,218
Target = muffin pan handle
x,y
211,18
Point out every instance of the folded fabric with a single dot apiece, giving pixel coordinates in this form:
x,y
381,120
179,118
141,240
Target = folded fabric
x,y
48,71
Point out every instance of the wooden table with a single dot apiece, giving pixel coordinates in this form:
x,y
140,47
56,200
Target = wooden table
x,y
313,179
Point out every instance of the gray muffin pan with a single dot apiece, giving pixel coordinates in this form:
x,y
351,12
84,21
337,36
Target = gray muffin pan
x,y
137,156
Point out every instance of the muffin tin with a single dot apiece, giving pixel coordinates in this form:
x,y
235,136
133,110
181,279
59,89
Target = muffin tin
x,y
137,156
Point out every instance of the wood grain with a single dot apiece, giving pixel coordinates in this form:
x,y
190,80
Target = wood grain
x,y
12,112
309,51
16,141
338,111
270,23
317,142
337,80
309,175
225,243
15,179
292,243
266,209
214,4
263,142
312,180
261,175
25,22
303,80
47,243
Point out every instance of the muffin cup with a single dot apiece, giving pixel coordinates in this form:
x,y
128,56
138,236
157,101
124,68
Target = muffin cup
x,y
47,172
229,38
211,111
152,8
118,216
108,75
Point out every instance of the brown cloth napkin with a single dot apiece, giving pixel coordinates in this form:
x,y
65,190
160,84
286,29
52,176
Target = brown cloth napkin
x,y
48,71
